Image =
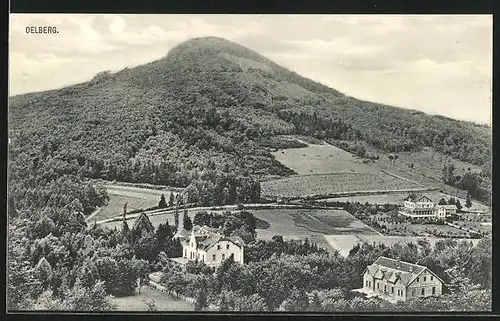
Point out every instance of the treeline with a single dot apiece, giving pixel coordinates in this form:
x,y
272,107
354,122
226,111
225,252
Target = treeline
x,y
239,223
477,185
315,281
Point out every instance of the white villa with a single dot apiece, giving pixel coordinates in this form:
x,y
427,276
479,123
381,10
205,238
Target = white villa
x,y
424,207
395,280
208,245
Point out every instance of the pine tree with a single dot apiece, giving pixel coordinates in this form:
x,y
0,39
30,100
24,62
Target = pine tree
x,y
468,202
188,224
176,218
442,201
162,203
201,297
171,200
125,232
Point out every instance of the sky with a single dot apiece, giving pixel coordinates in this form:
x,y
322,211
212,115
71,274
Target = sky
x,y
435,64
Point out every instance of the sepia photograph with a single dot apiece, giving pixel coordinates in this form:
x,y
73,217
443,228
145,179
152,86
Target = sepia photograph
x,y
230,163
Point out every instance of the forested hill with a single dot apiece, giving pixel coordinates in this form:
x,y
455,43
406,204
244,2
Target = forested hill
x,y
202,116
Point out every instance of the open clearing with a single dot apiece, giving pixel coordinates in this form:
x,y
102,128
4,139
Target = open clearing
x,y
328,184
163,301
135,197
322,159
309,223
344,243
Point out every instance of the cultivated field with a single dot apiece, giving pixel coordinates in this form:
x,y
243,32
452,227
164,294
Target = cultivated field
x,y
163,301
344,243
322,159
135,197
309,223
328,184
155,219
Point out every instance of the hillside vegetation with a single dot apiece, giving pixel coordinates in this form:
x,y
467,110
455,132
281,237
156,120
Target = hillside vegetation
x,y
201,117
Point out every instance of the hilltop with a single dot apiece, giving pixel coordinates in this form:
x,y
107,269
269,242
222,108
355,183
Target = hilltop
x,y
204,116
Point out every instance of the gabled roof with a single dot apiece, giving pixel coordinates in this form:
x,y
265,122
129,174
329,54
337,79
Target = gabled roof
x,y
399,265
393,270
210,241
418,198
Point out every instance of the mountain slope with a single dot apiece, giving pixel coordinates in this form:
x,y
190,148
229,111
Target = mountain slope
x,y
202,116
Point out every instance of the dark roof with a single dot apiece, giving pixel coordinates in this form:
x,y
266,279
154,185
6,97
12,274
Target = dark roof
x,y
417,198
399,265
393,270
210,241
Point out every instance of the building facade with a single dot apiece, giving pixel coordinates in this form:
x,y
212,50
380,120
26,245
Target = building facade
x,y
425,207
212,248
396,280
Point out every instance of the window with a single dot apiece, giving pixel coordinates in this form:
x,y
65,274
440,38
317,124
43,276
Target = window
x,y
213,257
433,290
378,285
392,289
423,291
366,283
432,278
385,288
425,278
185,253
227,246
417,280
224,257
413,292
218,247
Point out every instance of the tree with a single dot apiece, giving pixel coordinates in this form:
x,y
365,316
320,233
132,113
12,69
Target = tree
x,y
171,200
458,205
391,158
150,305
125,209
201,300
411,166
188,225
468,201
80,298
223,305
162,203
451,201
176,218
442,201
449,174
